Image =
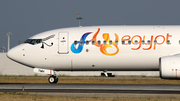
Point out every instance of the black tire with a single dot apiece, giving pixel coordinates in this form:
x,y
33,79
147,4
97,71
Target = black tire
x,y
53,79
56,79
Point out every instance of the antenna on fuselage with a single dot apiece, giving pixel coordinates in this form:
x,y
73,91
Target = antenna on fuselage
x,y
79,18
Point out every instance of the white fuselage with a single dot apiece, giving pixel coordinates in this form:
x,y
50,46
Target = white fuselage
x,y
57,52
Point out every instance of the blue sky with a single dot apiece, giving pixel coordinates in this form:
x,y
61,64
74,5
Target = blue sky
x,y
24,18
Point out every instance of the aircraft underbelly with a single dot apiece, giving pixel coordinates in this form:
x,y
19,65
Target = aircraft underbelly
x,y
122,62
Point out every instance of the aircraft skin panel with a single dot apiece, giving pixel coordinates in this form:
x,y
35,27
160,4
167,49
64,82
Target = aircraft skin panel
x,y
99,57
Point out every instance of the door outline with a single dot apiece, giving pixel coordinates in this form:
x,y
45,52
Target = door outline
x,y
60,42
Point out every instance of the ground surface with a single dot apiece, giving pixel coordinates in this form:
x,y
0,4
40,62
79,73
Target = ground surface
x,y
93,80
30,96
13,96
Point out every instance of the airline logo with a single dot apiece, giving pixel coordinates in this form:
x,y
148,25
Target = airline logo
x,y
107,39
80,47
151,41
125,38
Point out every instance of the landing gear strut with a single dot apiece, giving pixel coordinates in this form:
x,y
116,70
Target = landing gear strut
x,y
53,79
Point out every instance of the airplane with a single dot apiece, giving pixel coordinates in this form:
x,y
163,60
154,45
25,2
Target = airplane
x,y
102,48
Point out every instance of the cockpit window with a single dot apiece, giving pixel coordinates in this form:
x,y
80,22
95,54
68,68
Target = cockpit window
x,y
27,41
33,41
38,40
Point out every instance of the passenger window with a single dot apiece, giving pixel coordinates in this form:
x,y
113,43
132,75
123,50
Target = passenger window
x,y
148,42
99,42
110,42
104,42
123,42
87,42
116,42
81,42
93,42
155,42
136,42
75,42
129,42
168,42
143,42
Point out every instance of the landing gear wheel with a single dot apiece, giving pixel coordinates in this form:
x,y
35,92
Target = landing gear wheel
x,y
56,79
53,79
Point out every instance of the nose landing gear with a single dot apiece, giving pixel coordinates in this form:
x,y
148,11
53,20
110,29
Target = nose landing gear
x,y
107,74
53,79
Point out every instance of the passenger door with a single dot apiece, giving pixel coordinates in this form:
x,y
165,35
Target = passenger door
x,y
63,43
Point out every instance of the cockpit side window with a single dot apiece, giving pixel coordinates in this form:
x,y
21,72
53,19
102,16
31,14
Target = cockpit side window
x,y
27,41
33,41
38,41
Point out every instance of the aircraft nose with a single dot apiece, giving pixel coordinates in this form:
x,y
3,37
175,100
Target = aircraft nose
x,y
12,54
